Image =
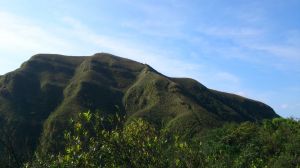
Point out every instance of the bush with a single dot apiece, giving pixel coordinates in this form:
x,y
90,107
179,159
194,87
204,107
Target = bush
x,y
96,141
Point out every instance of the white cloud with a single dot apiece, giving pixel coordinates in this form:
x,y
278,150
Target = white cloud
x,y
283,51
19,35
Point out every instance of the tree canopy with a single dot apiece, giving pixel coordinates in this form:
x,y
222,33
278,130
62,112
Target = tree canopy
x,y
96,141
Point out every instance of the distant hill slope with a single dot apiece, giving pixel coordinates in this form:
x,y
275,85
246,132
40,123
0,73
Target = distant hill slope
x,y
41,96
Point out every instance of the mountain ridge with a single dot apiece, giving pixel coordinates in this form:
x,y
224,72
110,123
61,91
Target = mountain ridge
x,y
49,89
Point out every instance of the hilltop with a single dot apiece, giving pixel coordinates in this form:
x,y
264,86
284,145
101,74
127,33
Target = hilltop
x,y
40,97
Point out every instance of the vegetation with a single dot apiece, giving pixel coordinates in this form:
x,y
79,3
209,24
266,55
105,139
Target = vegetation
x,y
97,141
168,120
272,143
37,99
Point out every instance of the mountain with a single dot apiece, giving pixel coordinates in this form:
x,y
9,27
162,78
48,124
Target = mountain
x,y
38,99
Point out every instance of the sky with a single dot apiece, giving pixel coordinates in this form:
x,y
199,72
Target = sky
x,y
250,48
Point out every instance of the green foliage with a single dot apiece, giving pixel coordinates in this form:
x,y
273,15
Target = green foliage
x,y
272,143
91,143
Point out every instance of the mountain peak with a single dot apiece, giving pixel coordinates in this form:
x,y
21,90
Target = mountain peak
x,y
49,89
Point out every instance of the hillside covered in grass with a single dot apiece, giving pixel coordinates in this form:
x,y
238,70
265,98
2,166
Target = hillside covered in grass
x,y
38,99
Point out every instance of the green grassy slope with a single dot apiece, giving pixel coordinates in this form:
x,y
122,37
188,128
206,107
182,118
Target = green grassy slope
x,y
41,96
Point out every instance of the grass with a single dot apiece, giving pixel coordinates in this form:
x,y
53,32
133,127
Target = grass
x,y
48,90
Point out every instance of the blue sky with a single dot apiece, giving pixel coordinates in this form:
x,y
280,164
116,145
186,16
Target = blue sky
x,y
251,48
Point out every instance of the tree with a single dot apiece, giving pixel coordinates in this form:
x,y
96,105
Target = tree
x,y
97,141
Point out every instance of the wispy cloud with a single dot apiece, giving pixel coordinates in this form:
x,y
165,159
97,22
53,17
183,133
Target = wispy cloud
x,y
231,32
286,48
74,37
115,45
252,45
21,38
161,20
283,51
18,35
